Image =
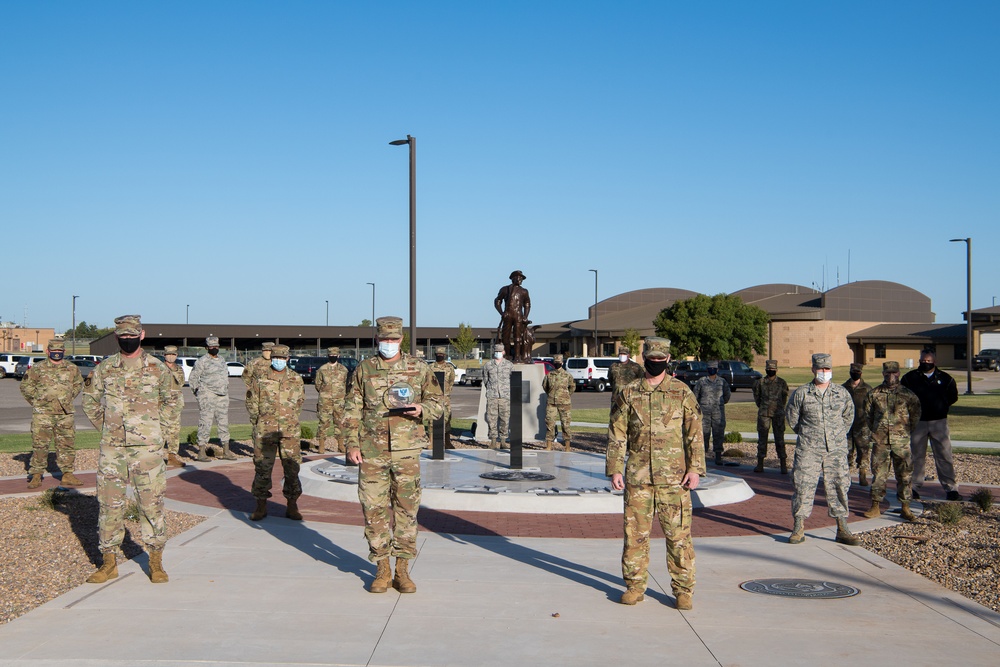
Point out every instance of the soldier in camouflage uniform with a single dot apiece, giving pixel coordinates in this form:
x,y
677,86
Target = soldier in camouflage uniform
x,y
712,394
622,373
441,365
891,412
210,383
258,365
770,393
496,384
127,398
50,386
820,413
859,438
657,422
172,435
274,403
387,447
559,387
331,385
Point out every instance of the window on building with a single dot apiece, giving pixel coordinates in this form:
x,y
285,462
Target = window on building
x,y
961,352
879,350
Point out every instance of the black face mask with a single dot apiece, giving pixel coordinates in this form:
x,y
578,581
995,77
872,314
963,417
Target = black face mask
x,y
924,367
56,356
655,366
855,376
771,373
557,365
213,351
129,345
439,357
333,360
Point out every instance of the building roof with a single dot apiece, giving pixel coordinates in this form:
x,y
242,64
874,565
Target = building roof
x,y
909,333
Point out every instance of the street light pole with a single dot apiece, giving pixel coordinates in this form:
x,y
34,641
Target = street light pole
x,y
968,312
75,297
327,312
412,143
373,317
596,345
187,314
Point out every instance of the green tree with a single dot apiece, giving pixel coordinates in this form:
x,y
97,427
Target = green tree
x,y
84,330
365,323
465,340
714,327
630,341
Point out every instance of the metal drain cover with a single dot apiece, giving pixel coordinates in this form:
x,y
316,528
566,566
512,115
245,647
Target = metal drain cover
x,y
518,476
799,588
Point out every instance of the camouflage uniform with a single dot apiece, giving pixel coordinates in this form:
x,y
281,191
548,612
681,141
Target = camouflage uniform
x,y
331,385
496,384
254,369
660,429
559,387
127,400
891,413
620,374
712,394
449,385
859,438
770,395
210,383
274,403
390,444
50,388
172,434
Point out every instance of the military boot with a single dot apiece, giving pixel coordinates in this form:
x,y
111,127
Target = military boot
x,y
227,452
567,446
383,576
202,456
632,596
798,535
292,511
402,582
874,511
718,458
905,512
548,445
156,573
684,601
862,477
760,464
35,482
174,462
261,510
784,466
69,479
107,570
494,445
844,534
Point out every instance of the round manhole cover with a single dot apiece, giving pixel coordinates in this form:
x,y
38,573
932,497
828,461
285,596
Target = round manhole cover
x,y
800,588
518,476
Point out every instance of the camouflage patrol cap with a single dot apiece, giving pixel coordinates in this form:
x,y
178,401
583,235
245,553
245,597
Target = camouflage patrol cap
x,y
170,349
656,348
267,346
440,350
128,324
212,341
498,347
857,368
390,327
557,358
771,365
333,351
56,344
822,360
279,351
712,364
890,367
517,273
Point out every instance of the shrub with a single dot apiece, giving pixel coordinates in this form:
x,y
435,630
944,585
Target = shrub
x,y
192,437
734,453
306,433
983,497
949,513
733,436
49,498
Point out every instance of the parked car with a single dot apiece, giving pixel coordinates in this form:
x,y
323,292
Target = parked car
x,y
473,376
86,366
235,369
23,365
987,360
307,367
96,358
591,372
459,373
547,365
738,374
8,364
187,363
690,372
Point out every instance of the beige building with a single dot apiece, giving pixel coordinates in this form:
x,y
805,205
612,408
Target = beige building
x,y
24,339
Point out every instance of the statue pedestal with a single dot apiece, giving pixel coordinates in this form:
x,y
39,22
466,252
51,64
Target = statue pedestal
x,y
533,402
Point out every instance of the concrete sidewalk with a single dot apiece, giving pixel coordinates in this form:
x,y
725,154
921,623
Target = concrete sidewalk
x,y
285,593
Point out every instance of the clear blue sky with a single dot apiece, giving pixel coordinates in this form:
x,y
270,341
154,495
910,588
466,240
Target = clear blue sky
x,y
234,155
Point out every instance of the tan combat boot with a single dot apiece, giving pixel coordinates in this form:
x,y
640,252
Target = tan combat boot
x,y
905,512
402,582
874,511
69,479
174,462
202,455
548,445
383,576
35,482
156,573
684,601
494,444
227,452
798,535
844,534
292,511
107,570
261,510
632,596
760,464
567,447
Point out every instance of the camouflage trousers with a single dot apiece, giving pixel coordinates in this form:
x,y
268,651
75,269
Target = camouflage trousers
x,y
142,466
714,424
497,416
267,447
172,432
899,452
330,413
859,453
765,424
389,491
212,408
560,411
446,402
672,504
936,431
45,429
810,462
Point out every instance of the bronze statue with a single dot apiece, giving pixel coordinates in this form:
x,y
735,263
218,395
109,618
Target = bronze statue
x,y
513,304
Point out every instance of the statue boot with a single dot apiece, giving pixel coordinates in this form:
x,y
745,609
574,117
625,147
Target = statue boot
x,y
69,479
261,510
632,596
35,482
905,511
874,511
402,582
107,570
844,534
292,510
760,464
798,535
156,572
383,576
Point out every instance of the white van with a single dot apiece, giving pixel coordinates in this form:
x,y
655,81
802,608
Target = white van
x,y
591,371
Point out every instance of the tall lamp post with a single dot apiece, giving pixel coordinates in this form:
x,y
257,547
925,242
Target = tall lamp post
x,y
412,143
373,316
75,297
187,314
968,312
596,346
327,312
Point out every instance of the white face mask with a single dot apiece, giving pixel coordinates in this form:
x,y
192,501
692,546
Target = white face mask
x,y
824,376
498,355
623,358
388,348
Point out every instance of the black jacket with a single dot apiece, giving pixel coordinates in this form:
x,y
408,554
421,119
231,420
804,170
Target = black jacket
x,y
936,393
